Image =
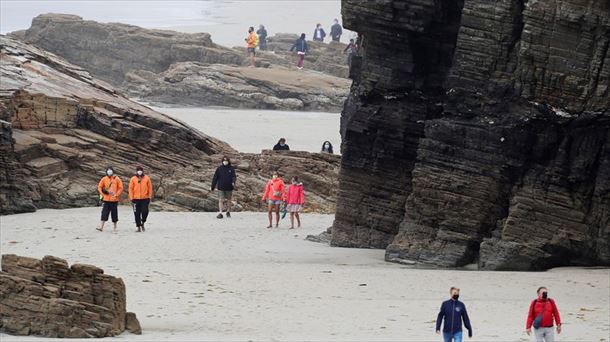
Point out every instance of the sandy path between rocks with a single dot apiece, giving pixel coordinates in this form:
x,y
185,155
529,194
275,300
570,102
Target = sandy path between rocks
x,y
193,277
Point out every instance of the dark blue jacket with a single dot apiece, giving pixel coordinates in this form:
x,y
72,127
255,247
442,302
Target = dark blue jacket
x,y
322,35
454,312
300,45
336,31
224,177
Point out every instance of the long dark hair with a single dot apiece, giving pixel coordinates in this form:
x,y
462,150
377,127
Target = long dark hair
x,y
330,147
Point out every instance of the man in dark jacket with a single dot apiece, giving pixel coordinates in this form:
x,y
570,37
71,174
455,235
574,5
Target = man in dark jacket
x,y
225,179
453,311
318,33
336,31
281,145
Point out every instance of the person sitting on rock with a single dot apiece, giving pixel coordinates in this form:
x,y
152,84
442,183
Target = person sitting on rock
x,y
251,42
140,194
262,37
319,34
275,193
281,145
225,179
336,31
300,45
110,188
327,147
295,199
352,50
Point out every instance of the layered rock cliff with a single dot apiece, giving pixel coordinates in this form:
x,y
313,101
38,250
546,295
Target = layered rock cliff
x,y
189,69
61,128
478,132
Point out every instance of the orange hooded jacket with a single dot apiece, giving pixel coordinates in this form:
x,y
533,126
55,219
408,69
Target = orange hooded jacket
x,y
140,188
113,186
275,190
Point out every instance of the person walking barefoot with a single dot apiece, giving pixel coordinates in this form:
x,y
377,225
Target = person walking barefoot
x,y
110,188
140,194
275,193
295,200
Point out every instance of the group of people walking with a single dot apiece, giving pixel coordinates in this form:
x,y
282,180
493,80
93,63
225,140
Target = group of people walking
x,y
258,40
541,316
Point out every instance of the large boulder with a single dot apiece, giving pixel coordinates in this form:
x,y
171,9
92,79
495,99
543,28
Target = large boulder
x,y
48,298
478,132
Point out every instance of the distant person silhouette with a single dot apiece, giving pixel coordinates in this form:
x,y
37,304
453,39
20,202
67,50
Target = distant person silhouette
x,y
224,179
300,45
251,42
140,194
275,194
327,147
336,31
352,50
281,145
319,34
262,37
295,199
110,188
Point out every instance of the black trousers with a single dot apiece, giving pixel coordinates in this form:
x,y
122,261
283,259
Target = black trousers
x,y
112,209
140,210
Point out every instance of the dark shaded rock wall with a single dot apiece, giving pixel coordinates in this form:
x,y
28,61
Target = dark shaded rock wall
x,y
478,132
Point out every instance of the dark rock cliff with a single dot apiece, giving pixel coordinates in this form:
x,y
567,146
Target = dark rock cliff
x,y
478,132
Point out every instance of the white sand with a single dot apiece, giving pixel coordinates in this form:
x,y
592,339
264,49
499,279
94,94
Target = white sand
x,y
252,130
191,276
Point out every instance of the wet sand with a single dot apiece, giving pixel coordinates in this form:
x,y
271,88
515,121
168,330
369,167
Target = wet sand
x,y
194,277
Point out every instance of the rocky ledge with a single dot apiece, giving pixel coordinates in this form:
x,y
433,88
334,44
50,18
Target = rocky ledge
x,y
48,298
483,137
189,69
61,127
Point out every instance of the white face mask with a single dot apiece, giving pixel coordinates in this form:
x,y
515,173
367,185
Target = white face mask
x,y
326,145
140,172
282,144
109,172
225,163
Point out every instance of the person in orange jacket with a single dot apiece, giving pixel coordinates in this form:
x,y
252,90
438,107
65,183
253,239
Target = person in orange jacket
x,y
251,42
110,188
140,194
275,193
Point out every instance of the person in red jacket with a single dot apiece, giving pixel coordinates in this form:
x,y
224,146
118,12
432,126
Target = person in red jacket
x,y
295,200
540,315
275,193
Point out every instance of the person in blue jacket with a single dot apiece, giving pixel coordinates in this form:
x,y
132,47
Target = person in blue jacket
x,y
318,33
454,312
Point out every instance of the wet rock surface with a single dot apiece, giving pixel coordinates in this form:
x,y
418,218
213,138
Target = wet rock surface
x,y
189,69
62,128
484,137
48,298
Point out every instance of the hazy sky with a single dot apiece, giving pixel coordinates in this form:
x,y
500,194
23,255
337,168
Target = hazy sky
x,y
226,20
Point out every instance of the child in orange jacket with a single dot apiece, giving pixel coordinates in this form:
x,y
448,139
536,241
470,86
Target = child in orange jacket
x,y
275,193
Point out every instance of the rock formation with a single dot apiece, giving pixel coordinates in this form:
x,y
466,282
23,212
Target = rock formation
x,y
189,69
483,137
61,128
48,298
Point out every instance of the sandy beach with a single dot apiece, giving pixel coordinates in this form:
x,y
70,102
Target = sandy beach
x,y
253,130
194,277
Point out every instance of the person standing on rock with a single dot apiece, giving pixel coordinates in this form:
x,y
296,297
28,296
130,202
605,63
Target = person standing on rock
x,y
300,46
140,194
281,145
275,194
319,34
453,312
327,147
336,31
352,50
225,179
540,316
262,37
295,199
251,42
110,188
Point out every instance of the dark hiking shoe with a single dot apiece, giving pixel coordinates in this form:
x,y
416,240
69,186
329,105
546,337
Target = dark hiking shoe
x,y
139,230
219,216
143,227
228,214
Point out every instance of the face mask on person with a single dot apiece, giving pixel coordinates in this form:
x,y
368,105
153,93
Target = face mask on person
x,y
139,172
326,146
282,144
544,295
225,162
274,176
109,172
455,296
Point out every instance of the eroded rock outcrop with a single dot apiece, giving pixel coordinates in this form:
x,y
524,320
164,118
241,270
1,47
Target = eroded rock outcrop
x,y
483,137
189,69
48,298
63,127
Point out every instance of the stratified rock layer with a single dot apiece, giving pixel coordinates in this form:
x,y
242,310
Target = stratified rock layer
x,y
62,128
48,298
478,132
